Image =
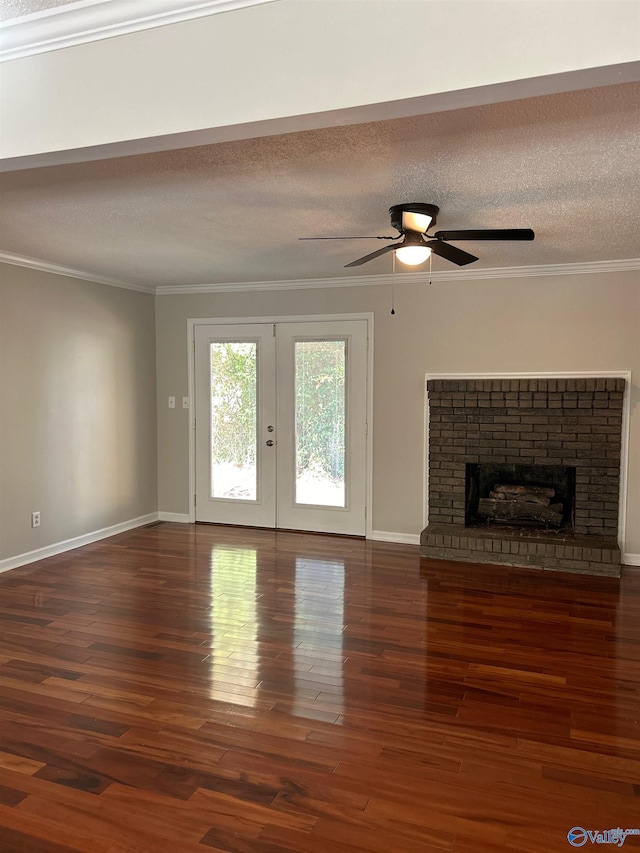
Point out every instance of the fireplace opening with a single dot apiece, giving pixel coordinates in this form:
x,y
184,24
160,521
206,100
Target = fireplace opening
x,y
520,496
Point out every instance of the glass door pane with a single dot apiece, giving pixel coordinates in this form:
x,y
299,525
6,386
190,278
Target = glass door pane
x,y
234,419
320,408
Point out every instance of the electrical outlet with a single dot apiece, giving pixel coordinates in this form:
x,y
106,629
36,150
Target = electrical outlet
x,y
35,519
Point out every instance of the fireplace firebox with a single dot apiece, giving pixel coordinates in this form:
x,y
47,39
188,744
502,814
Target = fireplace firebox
x,y
520,496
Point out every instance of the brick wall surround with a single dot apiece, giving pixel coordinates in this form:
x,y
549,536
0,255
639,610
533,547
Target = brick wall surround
x,y
576,422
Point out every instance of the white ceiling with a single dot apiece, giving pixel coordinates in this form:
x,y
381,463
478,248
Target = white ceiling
x,y
565,165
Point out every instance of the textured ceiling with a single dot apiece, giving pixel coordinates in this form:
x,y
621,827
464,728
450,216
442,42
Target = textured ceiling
x,y
565,165
16,8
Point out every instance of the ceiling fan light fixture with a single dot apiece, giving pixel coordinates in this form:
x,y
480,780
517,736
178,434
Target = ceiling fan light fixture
x,y
411,220
416,221
412,256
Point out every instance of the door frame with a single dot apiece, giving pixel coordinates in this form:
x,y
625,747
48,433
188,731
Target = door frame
x,y
192,322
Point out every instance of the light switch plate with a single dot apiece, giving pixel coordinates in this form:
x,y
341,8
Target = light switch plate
x,y
172,402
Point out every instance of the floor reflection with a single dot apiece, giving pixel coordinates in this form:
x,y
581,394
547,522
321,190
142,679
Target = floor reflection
x,y
234,626
277,643
318,633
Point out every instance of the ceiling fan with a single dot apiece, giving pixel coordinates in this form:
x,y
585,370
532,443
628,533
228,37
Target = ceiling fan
x,y
412,221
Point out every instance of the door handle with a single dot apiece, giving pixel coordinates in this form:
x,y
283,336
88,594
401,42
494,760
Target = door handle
x,y
269,428
269,443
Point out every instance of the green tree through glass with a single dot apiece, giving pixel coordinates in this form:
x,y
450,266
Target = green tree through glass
x,y
233,419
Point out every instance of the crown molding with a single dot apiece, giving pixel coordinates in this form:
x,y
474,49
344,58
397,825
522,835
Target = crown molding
x,y
422,277
56,269
91,20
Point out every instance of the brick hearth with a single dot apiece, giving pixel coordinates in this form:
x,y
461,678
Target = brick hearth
x,y
568,422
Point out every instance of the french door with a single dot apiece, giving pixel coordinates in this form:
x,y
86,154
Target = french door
x,y
281,432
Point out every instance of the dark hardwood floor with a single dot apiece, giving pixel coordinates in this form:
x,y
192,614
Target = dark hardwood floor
x,y
194,688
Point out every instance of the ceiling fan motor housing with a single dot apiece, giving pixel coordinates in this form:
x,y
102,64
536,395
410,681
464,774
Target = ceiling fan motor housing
x,y
397,210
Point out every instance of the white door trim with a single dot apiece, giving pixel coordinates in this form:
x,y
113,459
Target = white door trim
x,y
192,322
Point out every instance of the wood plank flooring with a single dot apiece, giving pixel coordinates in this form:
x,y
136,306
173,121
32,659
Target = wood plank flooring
x,y
194,688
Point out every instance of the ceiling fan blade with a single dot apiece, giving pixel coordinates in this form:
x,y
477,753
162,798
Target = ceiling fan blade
x,y
487,234
397,237
451,253
370,257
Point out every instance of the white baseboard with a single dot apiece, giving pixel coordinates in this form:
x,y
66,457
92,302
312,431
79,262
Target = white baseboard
x,y
399,538
76,542
631,559
177,517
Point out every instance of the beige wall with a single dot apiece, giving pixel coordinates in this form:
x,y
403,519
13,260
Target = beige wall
x,y
77,383
562,323
78,408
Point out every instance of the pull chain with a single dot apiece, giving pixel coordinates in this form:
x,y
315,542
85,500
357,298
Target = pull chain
x,y
393,284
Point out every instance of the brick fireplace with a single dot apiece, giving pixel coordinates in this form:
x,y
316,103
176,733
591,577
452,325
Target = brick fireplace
x,y
556,441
